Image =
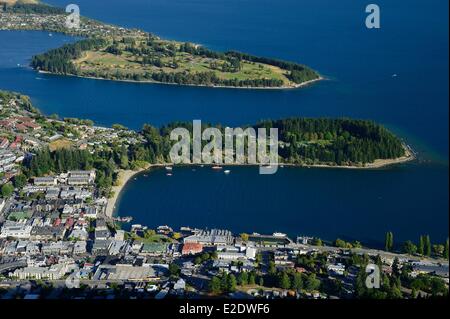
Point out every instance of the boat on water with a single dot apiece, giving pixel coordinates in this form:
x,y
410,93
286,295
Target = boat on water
x,y
169,174
125,219
168,168
279,234
217,167
227,171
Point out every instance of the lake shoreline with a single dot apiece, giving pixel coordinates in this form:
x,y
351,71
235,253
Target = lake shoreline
x,y
127,175
296,86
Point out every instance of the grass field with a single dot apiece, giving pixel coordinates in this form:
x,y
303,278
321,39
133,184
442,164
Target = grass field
x,y
19,215
59,144
126,61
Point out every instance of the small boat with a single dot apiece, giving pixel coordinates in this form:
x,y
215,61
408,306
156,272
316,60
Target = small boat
x,y
217,167
227,171
169,174
168,168
279,234
126,219
50,35
394,75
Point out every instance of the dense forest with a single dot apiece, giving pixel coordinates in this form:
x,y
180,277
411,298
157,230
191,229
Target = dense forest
x,y
36,8
305,141
302,141
200,78
335,141
59,60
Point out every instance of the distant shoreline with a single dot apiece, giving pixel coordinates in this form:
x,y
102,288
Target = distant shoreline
x,y
126,175
293,87
293,75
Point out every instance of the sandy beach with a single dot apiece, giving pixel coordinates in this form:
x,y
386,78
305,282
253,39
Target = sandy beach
x,y
124,177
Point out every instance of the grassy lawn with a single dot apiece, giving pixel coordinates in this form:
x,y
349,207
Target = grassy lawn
x,y
101,61
19,215
94,59
153,239
59,144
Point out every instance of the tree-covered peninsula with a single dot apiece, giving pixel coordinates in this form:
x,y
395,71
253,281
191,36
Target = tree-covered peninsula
x,y
306,141
75,144
116,53
303,141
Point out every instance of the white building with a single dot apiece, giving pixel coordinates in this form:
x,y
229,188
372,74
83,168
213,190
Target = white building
x,y
79,247
15,229
230,255
45,181
250,253
54,272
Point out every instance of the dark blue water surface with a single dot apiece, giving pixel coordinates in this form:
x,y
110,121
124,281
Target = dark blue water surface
x,y
329,36
330,203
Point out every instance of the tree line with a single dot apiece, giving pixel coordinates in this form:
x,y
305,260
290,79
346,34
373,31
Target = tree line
x,y
28,8
344,138
45,162
299,73
335,141
60,60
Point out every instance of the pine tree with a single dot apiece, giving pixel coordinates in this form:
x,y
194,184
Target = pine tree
x,y
243,278
297,282
446,250
427,246
231,283
214,285
421,247
252,278
285,282
224,282
389,241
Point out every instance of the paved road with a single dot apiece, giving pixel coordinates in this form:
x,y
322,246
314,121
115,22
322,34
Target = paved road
x,y
382,253
11,266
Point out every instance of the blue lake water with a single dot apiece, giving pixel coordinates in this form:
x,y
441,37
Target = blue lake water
x,y
330,36
330,203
